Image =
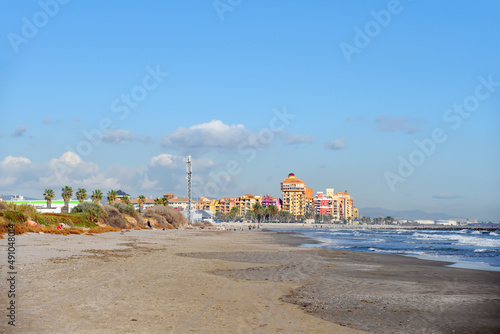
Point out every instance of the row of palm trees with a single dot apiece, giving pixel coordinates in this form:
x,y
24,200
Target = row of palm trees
x,y
97,196
258,212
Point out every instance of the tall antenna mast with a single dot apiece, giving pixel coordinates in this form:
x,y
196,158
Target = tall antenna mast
x,y
189,172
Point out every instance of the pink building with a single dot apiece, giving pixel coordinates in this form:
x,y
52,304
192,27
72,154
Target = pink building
x,y
268,200
322,204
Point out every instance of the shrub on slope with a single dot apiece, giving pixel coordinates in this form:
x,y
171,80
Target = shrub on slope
x,y
165,215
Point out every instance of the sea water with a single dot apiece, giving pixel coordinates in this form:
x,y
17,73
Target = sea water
x,y
471,249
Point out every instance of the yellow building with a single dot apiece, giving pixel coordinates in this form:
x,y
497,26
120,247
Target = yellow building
x,y
294,195
246,202
214,206
343,207
355,214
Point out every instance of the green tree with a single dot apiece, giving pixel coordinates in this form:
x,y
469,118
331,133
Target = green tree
x,y
272,211
249,215
67,192
49,195
284,216
91,210
81,195
221,216
111,196
158,201
258,211
125,200
234,212
140,200
97,196
164,201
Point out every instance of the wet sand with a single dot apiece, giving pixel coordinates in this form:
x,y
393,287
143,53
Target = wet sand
x,y
385,293
237,282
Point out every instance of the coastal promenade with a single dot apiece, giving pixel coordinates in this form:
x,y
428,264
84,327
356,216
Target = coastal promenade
x,y
188,281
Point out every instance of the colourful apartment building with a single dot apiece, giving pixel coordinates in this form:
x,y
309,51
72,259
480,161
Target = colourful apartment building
x,y
339,205
202,204
226,204
246,202
268,201
323,205
296,196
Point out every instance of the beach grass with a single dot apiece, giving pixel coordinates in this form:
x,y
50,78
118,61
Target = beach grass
x,y
90,218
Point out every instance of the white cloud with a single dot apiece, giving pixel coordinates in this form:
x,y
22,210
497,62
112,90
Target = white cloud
x,y
215,135
70,163
212,135
13,162
337,144
162,173
166,160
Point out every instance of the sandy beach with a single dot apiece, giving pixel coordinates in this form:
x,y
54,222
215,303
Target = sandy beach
x,y
185,281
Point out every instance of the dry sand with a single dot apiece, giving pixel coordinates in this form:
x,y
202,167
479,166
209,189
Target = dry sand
x,y
154,281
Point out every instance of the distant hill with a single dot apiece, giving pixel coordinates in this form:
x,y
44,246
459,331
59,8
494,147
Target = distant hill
x,y
403,214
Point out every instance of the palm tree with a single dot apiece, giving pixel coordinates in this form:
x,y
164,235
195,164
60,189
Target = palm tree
x,y
49,195
164,201
67,192
284,216
258,211
125,200
158,201
272,211
112,196
140,200
96,196
81,194
234,212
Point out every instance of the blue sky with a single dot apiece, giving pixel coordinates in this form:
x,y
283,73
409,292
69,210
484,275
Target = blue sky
x,y
113,95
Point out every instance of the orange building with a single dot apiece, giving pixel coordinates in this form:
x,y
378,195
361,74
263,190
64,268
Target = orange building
x,y
226,204
295,195
203,203
343,207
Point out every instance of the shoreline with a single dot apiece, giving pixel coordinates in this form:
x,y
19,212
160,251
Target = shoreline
x,y
343,226
450,262
417,295
239,282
